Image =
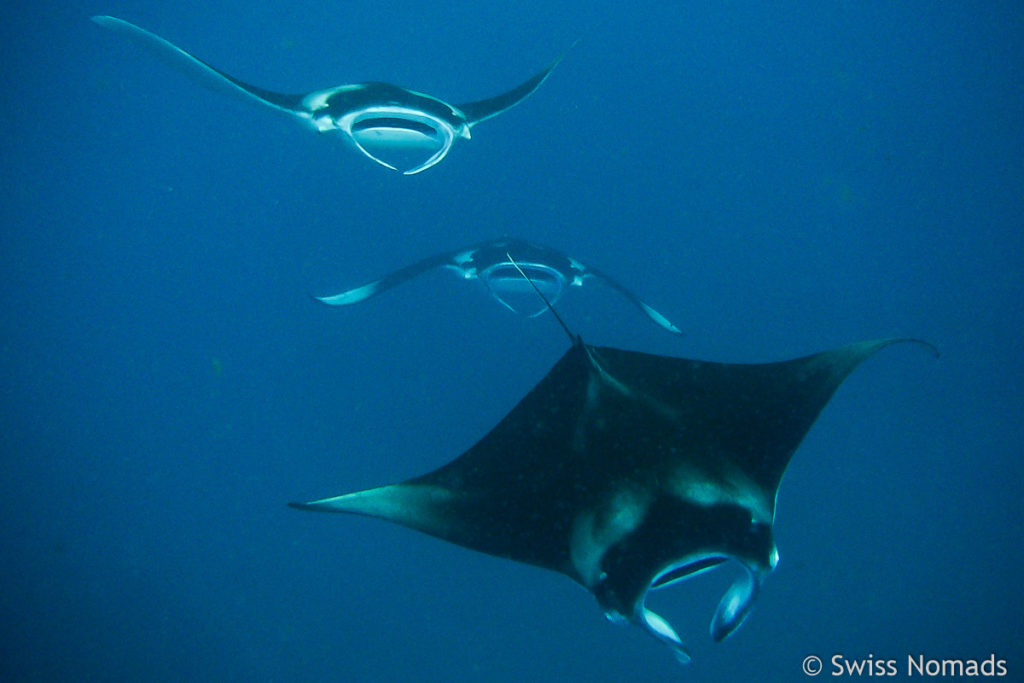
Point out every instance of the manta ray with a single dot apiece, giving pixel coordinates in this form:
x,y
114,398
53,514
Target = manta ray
x,y
401,129
627,472
501,265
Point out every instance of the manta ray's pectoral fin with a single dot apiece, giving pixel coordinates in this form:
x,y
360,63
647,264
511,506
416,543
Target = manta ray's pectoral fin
x,y
650,312
352,296
481,110
370,289
200,71
419,507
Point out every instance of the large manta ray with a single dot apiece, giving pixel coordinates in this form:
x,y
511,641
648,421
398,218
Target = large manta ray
x,y
509,267
627,471
401,129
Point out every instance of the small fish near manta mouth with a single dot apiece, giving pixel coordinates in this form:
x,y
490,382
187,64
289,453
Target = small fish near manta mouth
x,y
400,129
644,470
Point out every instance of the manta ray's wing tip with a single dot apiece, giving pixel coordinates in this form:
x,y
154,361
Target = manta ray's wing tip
x,y
350,296
317,506
882,343
114,23
928,345
335,300
657,317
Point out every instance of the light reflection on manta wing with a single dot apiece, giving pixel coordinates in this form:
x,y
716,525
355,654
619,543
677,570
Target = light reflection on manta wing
x,y
401,129
492,263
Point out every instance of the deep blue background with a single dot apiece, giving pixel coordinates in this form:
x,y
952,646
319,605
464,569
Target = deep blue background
x,y
778,178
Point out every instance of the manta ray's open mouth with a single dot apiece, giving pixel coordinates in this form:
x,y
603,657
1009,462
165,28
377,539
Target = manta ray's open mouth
x,y
402,139
732,609
398,128
511,289
686,571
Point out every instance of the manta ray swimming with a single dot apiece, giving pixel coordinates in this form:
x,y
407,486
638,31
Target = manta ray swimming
x,y
627,472
501,265
401,129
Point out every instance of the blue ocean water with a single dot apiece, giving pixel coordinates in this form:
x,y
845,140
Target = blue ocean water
x,y
778,178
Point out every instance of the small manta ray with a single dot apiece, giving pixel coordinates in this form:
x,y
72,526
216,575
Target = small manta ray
x,y
401,129
628,471
501,265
